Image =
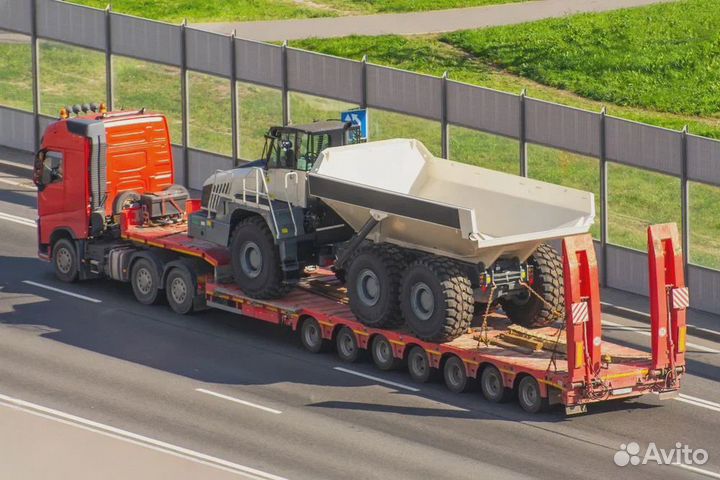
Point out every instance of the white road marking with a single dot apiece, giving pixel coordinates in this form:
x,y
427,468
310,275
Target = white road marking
x,y
647,315
698,470
237,400
64,292
20,220
134,438
16,165
707,330
642,331
697,404
381,380
17,184
701,400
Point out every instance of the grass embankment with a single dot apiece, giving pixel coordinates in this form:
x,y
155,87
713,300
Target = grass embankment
x,y
247,10
636,197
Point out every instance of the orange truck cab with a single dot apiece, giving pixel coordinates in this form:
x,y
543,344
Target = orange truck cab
x,y
90,167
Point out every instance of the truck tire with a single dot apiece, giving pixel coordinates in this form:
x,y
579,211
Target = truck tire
x,y
180,290
65,260
346,345
419,365
528,310
373,286
311,336
382,355
436,299
456,377
529,397
145,281
256,260
492,387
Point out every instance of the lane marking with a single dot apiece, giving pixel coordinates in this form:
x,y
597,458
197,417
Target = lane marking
x,y
65,292
237,400
20,220
17,184
641,331
701,471
647,315
135,438
697,404
701,400
381,380
17,165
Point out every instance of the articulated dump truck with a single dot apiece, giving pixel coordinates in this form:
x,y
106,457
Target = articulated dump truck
x,y
418,240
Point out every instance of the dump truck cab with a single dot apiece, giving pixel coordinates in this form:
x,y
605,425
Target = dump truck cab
x,y
92,165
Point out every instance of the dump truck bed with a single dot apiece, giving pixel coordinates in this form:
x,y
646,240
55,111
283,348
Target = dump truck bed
x,y
443,207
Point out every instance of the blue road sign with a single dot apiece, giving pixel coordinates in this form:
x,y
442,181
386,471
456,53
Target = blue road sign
x,y
359,117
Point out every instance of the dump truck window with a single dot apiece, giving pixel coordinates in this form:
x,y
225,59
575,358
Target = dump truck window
x,y
314,144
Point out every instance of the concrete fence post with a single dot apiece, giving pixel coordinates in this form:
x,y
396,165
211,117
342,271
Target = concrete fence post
x,y
364,83
35,59
235,119
523,144
685,200
285,93
185,103
603,199
108,59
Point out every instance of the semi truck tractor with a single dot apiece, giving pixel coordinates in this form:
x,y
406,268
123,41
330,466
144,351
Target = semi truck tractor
x,y
413,237
419,240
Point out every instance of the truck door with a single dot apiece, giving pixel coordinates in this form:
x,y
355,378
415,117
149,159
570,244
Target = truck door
x,y
285,181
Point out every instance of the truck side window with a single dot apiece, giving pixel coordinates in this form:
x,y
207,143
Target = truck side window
x,y
52,167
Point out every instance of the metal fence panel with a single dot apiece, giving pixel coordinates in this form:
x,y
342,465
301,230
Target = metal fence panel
x,y
71,23
44,121
208,52
627,270
404,92
145,39
325,76
177,152
562,127
644,146
483,109
258,63
16,15
16,129
703,159
203,164
704,285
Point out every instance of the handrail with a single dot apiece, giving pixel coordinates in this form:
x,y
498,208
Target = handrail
x,y
292,216
260,174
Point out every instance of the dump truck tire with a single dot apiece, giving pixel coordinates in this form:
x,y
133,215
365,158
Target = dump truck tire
x,y
436,299
256,260
531,312
373,285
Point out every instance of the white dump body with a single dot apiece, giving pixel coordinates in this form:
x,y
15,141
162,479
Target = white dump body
x,y
443,207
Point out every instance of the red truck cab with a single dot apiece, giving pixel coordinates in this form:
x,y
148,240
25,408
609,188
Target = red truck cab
x,y
88,166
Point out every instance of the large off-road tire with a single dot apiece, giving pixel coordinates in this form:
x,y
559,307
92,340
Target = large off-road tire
x,y
528,310
436,299
65,260
256,260
373,280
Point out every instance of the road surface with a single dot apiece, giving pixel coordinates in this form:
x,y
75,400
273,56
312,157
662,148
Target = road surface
x,y
242,396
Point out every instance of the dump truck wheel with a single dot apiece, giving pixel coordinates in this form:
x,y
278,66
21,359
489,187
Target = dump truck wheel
x,y
373,286
256,260
436,299
530,311
65,260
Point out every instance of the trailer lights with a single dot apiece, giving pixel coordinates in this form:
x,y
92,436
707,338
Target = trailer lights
x,y
102,108
64,113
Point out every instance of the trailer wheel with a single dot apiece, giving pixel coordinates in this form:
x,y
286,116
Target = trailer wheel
x,y
346,345
529,396
455,375
374,284
256,260
311,336
145,281
528,310
492,387
436,299
382,354
65,260
419,365
180,289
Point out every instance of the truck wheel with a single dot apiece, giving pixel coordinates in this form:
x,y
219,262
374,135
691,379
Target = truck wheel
x,y
527,310
256,260
419,365
180,290
436,299
124,200
145,281
492,387
347,346
382,354
373,286
65,260
529,396
455,374
311,336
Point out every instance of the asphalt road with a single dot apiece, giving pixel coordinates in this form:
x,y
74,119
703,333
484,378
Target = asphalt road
x,y
244,397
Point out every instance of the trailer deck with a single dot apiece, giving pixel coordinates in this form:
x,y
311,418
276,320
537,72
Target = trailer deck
x,y
571,362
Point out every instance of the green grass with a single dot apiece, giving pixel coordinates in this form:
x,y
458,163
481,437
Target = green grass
x,y
244,10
